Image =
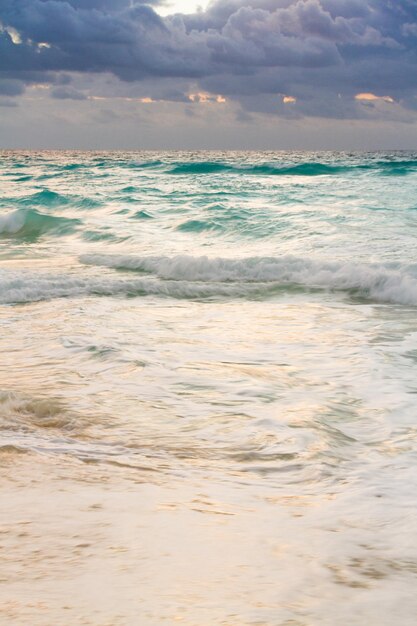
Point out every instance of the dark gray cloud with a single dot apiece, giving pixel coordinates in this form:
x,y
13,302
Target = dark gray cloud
x,y
320,52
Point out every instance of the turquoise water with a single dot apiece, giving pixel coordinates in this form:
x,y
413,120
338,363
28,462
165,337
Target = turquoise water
x,y
239,323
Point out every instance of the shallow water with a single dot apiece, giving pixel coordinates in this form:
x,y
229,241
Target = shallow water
x,y
221,350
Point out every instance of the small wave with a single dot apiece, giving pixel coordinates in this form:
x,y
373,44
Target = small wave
x,y
11,450
19,410
86,203
142,215
51,199
222,219
100,235
30,224
199,226
46,198
74,166
23,179
396,168
305,169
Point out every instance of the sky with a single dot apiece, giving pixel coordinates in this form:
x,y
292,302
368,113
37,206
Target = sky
x,y
219,74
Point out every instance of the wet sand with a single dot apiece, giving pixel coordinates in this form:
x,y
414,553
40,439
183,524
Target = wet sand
x,y
88,545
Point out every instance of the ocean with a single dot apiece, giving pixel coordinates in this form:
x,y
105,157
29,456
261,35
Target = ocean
x,y
208,386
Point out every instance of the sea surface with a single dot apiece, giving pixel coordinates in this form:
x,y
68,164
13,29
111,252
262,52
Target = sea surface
x,y
224,346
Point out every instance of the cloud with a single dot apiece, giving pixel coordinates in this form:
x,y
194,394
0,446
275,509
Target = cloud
x,y
67,93
4,102
111,6
10,87
321,53
371,97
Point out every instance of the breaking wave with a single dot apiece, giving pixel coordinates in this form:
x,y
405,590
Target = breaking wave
x,y
385,283
201,277
25,287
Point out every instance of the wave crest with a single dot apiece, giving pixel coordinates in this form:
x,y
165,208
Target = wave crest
x,y
30,224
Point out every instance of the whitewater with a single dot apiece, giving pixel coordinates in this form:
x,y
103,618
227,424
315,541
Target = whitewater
x,y
207,388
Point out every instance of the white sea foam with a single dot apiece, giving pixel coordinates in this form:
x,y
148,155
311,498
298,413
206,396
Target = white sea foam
x,y
395,283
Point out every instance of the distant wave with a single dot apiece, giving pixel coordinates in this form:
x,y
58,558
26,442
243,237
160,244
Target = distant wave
x,y
295,169
213,167
395,168
344,164
201,277
30,224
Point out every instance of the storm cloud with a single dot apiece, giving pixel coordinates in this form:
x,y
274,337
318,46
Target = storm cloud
x,y
345,59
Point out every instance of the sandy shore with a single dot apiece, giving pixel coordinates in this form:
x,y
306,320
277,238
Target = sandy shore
x,y
96,545
93,546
